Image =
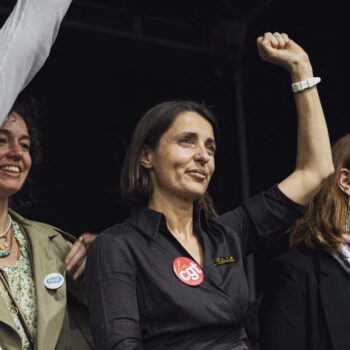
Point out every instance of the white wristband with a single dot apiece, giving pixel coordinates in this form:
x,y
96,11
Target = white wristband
x,y
305,84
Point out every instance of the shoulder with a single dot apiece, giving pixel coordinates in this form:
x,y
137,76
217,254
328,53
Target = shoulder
x,y
293,273
119,236
299,260
270,206
49,230
43,230
118,246
121,231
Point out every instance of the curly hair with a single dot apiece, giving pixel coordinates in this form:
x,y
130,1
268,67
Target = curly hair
x,y
28,108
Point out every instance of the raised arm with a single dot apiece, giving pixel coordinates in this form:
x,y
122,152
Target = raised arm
x,y
314,160
25,42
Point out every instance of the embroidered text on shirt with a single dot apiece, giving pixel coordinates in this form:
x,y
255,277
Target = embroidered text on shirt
x,y
224,260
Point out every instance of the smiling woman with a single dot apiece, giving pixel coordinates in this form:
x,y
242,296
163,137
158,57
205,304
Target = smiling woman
x,y
41,305
172,275
15,160
136,180
183,162
31,252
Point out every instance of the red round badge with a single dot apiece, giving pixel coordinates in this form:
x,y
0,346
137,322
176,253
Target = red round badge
x,y
188,271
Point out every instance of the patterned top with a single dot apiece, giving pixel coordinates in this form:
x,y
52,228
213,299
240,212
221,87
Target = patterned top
x,y
21,282
345,251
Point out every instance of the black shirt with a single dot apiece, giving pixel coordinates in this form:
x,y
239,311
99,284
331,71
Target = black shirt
x,y
137,302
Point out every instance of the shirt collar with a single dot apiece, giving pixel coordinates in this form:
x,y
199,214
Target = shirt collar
x,y
146,220
149,221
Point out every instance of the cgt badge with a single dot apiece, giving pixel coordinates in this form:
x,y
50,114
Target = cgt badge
x,y
188,271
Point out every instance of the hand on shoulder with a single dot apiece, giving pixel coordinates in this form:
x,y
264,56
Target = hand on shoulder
x,y
76,258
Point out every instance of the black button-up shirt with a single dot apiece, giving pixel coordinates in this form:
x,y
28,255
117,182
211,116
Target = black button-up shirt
x,y
137,302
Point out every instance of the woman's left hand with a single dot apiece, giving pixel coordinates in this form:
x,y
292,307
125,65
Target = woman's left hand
x,y
76,258
279,49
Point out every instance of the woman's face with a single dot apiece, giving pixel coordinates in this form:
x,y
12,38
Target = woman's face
x,y
15,159
183,162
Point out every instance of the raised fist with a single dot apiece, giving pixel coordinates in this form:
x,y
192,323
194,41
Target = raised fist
x,y
279,49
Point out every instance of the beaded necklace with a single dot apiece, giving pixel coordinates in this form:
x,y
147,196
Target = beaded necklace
x,y
5,241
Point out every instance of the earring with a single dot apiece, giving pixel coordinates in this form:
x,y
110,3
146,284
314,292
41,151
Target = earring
x,y
347,228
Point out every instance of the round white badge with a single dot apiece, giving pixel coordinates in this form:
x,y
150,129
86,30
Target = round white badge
x,y
53,280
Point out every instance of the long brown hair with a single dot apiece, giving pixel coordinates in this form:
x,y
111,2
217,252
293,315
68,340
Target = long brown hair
x,y
135,184
325,221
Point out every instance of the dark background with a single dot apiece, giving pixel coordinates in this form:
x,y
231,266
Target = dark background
x,y
115,59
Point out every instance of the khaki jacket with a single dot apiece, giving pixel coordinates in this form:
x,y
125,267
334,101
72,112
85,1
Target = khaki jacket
x,y
56,327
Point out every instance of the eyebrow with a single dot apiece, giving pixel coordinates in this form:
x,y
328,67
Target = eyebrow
x,y
194,134
9,133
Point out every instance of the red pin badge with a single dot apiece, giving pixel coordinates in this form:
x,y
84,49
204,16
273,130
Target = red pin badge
x,y
188,271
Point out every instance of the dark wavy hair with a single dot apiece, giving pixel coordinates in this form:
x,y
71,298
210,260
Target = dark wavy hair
x,y
28,108
136,185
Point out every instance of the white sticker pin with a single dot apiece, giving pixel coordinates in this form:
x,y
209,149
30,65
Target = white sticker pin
x,y
53,280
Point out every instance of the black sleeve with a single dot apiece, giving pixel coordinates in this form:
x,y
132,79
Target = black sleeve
x,y
263,221
282,315
112,297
